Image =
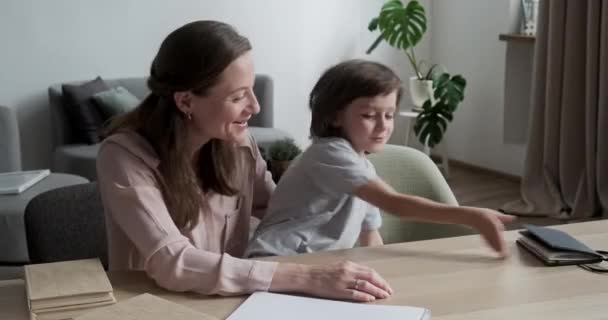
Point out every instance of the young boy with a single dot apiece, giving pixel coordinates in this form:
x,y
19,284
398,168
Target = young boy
x,y
329,197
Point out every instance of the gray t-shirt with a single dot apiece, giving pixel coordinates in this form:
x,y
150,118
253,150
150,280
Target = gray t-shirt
x,y
313,207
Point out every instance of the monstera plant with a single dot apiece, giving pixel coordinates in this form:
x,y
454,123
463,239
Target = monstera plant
x,y
436,93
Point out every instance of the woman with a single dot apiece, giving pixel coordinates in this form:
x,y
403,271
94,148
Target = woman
x,y
180,177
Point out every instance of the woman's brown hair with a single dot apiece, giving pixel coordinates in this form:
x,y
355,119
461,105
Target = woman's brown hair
x,y
190,58
343,83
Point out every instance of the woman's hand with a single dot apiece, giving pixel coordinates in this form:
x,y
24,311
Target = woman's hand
x,y
342,280
490,225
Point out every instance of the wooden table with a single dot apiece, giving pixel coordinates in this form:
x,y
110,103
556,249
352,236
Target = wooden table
x,y
457,278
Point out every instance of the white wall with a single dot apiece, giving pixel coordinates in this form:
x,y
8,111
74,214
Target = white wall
x,y
47,42
518,88
465,39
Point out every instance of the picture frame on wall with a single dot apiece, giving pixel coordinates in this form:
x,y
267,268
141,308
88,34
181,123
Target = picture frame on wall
x,y
529,17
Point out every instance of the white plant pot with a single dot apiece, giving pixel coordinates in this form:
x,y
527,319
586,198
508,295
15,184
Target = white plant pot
x,y
421,91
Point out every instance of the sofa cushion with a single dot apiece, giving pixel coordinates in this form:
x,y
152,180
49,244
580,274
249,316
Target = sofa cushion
x,y
81,111
79,159
115,101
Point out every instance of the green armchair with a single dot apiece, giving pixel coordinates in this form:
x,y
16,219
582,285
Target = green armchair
x,y
412,172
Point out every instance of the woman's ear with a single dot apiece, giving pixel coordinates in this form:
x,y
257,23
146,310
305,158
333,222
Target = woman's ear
x,y
183,101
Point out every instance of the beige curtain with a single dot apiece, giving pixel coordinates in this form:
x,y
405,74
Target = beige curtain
x,y
566,169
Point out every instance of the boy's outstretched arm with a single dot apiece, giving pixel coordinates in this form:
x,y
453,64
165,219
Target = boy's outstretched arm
x,y
370,238
488,222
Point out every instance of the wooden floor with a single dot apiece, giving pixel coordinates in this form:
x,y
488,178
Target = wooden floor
x,y
481,189
477,187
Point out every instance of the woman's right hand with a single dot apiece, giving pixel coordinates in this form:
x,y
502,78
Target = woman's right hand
x,y
342,280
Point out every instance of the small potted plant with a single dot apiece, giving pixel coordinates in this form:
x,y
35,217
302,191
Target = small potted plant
x,y
281,153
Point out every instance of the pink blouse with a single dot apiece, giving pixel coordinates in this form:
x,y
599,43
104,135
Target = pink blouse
x,y
142,235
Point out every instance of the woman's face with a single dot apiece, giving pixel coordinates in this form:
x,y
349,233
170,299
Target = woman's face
x,y
223,111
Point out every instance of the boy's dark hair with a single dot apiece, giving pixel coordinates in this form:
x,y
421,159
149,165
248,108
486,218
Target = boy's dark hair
x,y
343,83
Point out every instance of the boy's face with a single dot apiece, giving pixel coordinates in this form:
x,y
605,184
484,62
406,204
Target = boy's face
x,y
367,122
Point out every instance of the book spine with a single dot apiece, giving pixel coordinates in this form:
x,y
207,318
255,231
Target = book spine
x,y
28,290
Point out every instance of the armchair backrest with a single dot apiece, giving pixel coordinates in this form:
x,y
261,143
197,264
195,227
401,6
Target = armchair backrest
x,y
412,172
66,223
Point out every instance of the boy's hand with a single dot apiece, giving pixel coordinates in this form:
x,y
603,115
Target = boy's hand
x,y
370,238
490,225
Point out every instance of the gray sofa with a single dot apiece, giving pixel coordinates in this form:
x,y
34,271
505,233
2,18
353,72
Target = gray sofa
x,y
79,159
13,241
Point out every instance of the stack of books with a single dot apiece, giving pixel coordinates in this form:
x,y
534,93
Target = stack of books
x,y
63,290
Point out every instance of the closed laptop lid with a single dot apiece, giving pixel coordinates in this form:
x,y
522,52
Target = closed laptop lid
x,y
558,240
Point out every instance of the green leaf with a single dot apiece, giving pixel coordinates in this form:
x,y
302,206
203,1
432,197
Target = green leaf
x,y
432,122
448,89
373,25
402,27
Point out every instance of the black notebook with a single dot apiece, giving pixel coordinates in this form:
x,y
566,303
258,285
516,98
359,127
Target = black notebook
x,y
555,247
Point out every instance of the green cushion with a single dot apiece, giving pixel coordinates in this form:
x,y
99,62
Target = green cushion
x,y
115,101
412,172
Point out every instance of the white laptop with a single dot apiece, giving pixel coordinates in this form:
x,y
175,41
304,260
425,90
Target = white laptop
x,y
19,181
